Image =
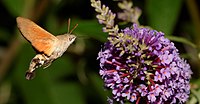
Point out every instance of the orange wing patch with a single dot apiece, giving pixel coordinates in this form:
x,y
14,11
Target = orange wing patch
x,y
40,39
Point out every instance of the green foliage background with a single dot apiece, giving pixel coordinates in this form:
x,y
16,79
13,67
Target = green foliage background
x,y
74,78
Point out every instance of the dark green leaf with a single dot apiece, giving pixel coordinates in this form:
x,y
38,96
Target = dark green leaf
x,y
4,36
196,94
15,7
162,14
181,40
61,67
67,93
98,83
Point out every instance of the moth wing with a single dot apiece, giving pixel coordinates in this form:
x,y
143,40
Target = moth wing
x,y
40,39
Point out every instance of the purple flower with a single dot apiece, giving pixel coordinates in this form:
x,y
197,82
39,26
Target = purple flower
x,y
157,77
142,66
151,97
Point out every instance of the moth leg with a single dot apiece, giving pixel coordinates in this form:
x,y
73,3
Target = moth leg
x,y
36,62
47,63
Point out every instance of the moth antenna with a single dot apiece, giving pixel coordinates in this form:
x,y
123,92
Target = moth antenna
x,y
68,28
73,28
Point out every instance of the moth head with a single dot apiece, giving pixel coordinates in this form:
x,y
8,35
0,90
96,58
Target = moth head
x,y
69,35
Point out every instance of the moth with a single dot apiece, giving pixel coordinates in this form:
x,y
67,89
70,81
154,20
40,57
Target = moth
x,y
48,47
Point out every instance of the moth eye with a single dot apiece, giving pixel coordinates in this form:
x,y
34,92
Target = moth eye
x,y
71,38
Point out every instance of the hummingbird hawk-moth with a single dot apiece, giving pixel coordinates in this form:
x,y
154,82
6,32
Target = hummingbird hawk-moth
x,y
47,46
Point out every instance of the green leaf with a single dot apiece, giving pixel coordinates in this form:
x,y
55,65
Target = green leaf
x,y
181,40
196,94
61,67
4,36
15,7
67,93
92,29
163,14
52,25
98,85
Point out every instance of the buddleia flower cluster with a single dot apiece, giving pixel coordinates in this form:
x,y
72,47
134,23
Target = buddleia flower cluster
x,y
141,66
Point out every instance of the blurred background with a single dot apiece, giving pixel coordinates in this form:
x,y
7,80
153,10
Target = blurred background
x,y
74,78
